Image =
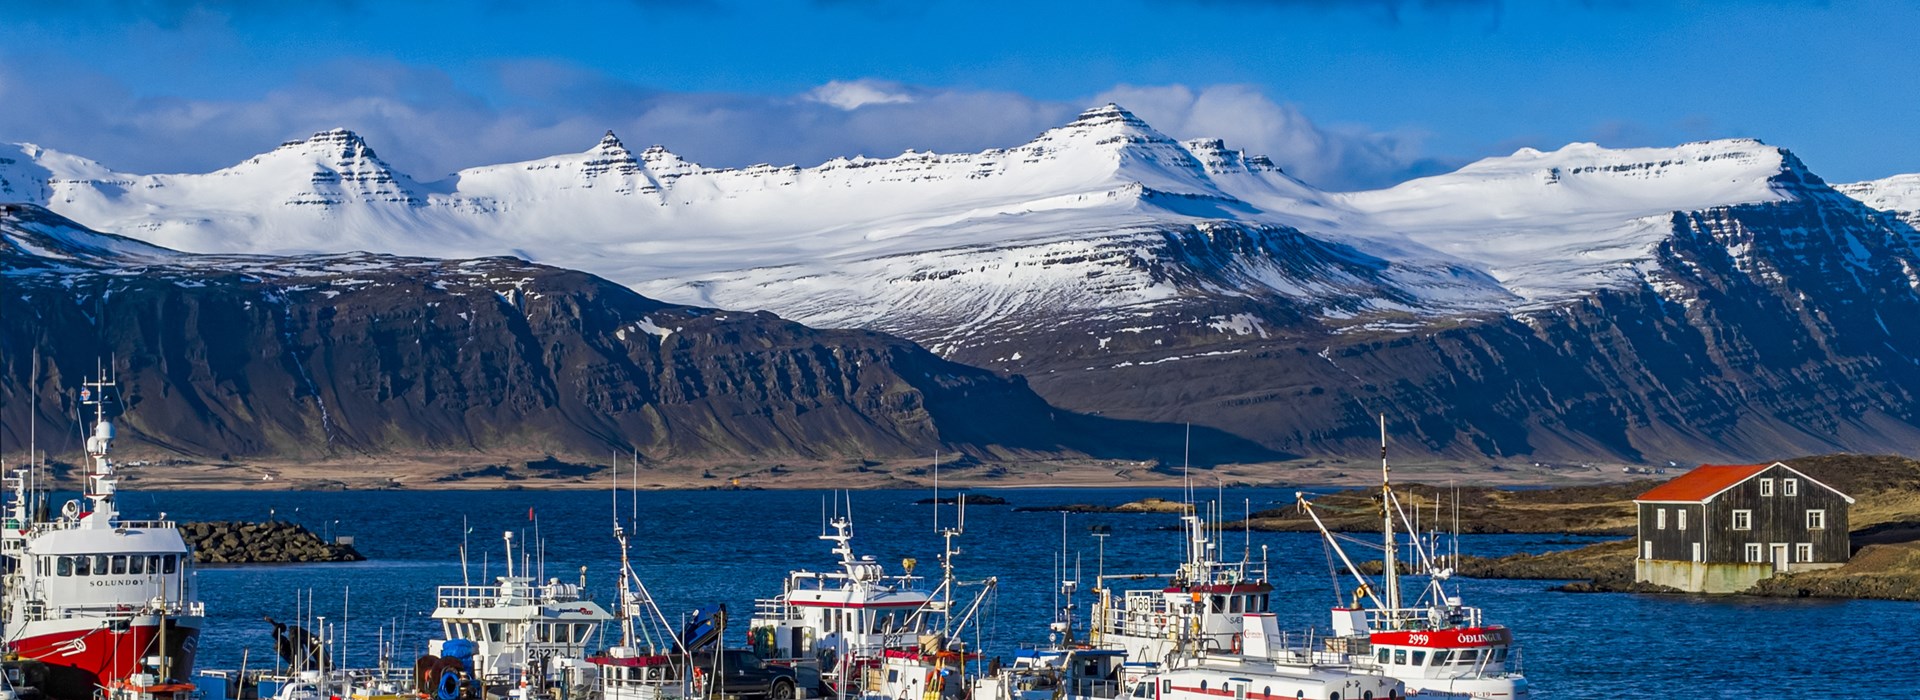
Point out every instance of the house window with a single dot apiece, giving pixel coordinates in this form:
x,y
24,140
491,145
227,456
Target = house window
x,y
1817,519
1743,520
1646,549
1803,552
1698,555
1789,487
1755,553
1680,519
1766,487
1659,518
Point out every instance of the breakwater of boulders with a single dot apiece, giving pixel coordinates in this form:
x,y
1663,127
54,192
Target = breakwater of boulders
x,y
277,542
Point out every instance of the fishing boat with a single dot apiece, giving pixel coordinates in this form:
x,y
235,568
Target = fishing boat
x,y
1200,609
650,662
1440,647
107,603
868,633
516,635
1267,667
1207,633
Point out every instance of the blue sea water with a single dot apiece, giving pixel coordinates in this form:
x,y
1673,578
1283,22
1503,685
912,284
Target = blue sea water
x,y
696,548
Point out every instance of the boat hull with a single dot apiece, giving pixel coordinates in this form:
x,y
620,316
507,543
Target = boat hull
x,y
85,654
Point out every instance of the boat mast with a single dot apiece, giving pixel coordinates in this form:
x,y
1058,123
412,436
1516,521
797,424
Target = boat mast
x,y
100,483
1389,569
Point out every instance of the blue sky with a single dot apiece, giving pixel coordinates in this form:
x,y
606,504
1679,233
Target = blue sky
x,y
1353,93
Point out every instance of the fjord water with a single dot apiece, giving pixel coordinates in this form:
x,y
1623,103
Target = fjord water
x,y
695,548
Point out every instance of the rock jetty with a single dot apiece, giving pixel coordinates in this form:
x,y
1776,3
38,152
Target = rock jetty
x,y
277,542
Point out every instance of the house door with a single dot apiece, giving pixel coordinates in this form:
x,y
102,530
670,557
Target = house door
x,y
1780,559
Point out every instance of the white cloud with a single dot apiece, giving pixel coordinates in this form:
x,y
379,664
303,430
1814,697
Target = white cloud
x,y
854,94
1334,158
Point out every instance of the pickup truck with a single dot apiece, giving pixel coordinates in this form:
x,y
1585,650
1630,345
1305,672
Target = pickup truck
x,y
743,674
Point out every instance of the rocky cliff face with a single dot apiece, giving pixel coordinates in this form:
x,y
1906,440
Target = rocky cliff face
x,y
356,354
1755,330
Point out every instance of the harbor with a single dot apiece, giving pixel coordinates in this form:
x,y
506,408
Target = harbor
x,y
697,552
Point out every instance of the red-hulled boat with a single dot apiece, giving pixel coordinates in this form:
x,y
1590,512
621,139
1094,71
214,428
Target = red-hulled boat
x,y
107,603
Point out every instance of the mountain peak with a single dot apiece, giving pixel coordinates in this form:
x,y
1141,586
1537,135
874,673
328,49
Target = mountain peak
x,y
610,144
338,143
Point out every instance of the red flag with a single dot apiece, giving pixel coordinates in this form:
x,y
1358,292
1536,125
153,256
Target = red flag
x,y
529,512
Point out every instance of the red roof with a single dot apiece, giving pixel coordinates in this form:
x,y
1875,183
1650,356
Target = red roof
x,y
1697,485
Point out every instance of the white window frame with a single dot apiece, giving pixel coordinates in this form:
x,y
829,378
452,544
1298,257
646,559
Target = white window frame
x,y
1743,519
1816,518
1659,518
1766,487
1756,553
1680,521
1803,552
1789,487
1646,549
1699,552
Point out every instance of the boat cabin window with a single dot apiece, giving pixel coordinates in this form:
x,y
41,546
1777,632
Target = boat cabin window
x,y
1500,655
172,563
1399,656
1381,654
1440,658
137,565
1419,658
66,566
99,564
119,564
1166,685
1468,656
494,632
1143,690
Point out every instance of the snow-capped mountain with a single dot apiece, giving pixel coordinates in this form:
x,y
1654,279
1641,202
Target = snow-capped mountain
x,y
1898,195
1707,301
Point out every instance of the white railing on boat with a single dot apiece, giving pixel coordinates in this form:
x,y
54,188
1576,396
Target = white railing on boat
x,y
502,596
1387,619
65,524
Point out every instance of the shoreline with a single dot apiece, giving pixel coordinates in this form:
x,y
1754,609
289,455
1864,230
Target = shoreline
x,y
426,474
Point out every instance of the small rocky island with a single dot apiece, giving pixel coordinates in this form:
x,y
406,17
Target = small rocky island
x,y
276,542
972,500
1144,505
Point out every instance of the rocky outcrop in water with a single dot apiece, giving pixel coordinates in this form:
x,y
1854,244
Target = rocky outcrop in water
x,y
277,542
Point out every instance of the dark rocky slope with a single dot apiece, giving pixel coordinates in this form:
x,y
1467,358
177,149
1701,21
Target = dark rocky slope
x,y
1757,331
323,356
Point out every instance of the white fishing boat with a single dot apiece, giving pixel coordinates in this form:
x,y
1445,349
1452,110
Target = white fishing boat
x,y
1206,633
106,602
1438,646
1200,609
1266,668
515,634
868,633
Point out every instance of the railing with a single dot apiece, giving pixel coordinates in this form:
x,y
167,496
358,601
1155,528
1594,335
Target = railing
x,y
500,596
1403,618
1093,688
65,524
774,609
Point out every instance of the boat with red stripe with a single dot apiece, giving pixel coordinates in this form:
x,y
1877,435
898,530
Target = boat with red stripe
x,y
106,603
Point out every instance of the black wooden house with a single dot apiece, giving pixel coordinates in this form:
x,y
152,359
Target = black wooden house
x,y
1720,528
